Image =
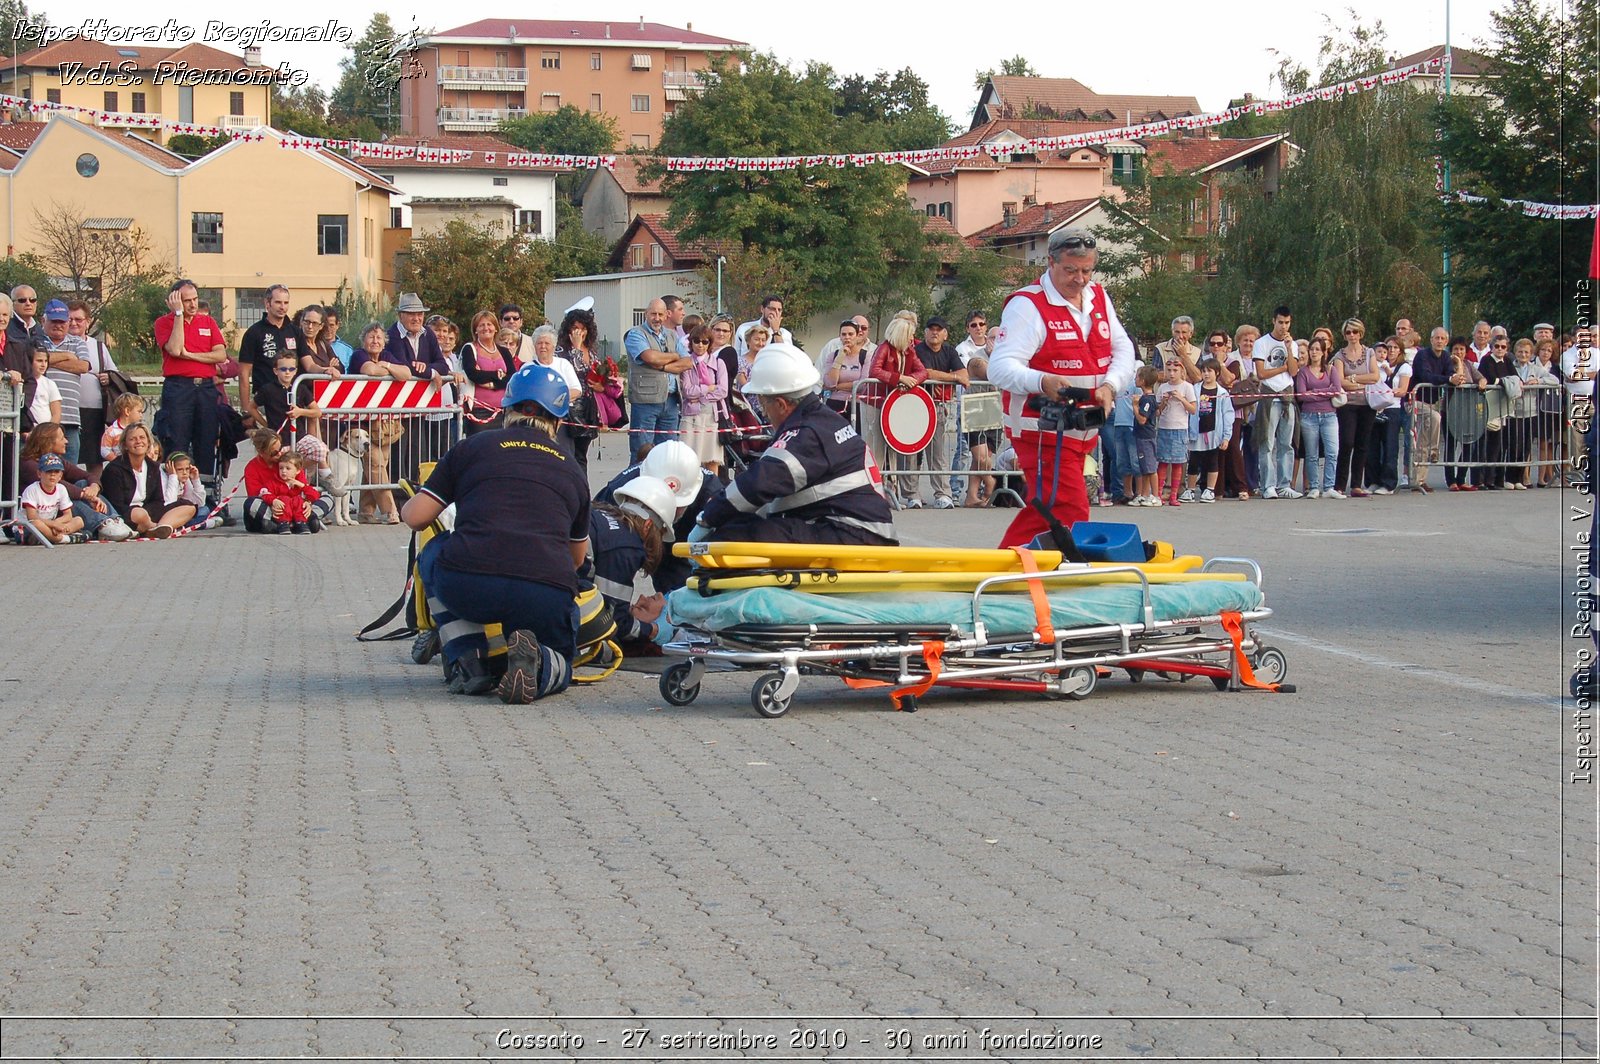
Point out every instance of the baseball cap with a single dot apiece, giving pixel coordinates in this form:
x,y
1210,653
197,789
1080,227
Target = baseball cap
x,y
55,310
51,463
937,322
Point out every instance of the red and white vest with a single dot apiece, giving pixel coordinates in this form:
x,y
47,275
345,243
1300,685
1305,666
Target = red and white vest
x,y
1082,360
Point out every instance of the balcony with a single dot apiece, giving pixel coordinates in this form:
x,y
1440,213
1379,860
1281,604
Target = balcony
x,y
232,122
502,79
477,119
680,84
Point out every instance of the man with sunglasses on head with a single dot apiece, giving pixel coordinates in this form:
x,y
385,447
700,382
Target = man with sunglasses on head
x,y
1057,334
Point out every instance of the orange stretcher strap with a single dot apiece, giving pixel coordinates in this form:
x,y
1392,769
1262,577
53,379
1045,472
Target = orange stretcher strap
x,y
1041,601
1233,624
932,657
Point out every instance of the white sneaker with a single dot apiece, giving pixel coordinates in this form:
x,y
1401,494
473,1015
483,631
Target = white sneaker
x,y
1187,496
943,503
1382,491
1289,493
1153,502
1313,494
1208,496
1270,493
1335,493
114,530
1137,500
913,504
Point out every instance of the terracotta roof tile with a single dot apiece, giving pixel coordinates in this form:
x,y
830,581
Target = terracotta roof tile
x,y
621,31
1188,155
454,142
1462,60
19,136
1035,221
82,50
628,179
1067,96
678,251
1028,129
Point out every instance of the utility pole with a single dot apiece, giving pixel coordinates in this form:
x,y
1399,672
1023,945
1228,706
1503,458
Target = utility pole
x,y
1446,307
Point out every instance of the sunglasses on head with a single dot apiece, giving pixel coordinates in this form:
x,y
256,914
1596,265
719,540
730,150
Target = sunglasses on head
x,y
1072,242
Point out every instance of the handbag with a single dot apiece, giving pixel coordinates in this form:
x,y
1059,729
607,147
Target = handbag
x,y
1339,399
585,418
1381,397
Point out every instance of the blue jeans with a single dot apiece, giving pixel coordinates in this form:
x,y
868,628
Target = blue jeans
x,y
1275,443
1124,458
963,459
1320,434
74,443
92,518
652,423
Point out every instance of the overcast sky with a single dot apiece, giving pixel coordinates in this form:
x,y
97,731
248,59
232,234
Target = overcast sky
x,y
1214,52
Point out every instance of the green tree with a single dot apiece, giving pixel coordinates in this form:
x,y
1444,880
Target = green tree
x,y
129,322
1015,67
1149,252
194,146
30,269
888,112
303,109
846,232
464,268
576,252
367,97
1350,230
565,131
1533,138
20,28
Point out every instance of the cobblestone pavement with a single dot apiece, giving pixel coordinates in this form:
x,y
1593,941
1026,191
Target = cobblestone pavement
x,y
227,823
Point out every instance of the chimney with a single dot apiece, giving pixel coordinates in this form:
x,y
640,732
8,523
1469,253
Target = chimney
x,y
252,56
689,26
1049,215
513,29
641,23
1029,201
608,31
1009,216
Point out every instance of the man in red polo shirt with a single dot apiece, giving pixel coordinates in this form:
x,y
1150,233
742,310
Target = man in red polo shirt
x,y
189,358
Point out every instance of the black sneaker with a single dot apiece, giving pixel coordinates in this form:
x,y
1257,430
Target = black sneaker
x,y
315,523
302,529
285,530
520,684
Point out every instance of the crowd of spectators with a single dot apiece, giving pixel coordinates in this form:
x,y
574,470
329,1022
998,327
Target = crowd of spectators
x,y
1249,413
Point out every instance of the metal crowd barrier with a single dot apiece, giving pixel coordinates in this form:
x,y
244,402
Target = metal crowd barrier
x,y
1486,429
400,433
11,439
955,415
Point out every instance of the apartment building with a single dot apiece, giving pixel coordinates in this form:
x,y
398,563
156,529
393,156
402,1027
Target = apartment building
x,y
472,78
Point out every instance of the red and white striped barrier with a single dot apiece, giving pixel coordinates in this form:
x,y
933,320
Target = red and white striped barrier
x,y
359,397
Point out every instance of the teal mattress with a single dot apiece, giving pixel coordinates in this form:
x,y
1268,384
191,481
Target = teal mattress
x,y
1002,613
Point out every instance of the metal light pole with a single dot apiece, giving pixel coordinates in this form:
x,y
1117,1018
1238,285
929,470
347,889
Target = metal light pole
x,y
720,261
1446,307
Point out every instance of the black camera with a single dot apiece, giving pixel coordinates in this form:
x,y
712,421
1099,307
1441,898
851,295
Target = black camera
x,y
1067,415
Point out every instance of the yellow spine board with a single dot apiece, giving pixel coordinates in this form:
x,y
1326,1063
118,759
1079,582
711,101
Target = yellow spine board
x,y
851,583
863,559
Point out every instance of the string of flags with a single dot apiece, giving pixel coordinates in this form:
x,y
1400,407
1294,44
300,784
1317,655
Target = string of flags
x,y
365,150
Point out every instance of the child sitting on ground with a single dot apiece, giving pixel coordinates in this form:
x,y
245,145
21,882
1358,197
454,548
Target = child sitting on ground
x,y
180,483
48,507
127,410
291,490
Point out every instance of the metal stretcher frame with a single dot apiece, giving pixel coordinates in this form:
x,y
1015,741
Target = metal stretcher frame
x,y
909,659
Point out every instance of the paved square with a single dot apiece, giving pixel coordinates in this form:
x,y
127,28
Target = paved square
x,y
215,803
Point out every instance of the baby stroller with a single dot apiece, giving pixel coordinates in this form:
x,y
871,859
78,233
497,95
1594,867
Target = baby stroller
x,y
742,433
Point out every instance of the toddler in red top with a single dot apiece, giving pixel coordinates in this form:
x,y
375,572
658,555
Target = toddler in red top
x,y
289,488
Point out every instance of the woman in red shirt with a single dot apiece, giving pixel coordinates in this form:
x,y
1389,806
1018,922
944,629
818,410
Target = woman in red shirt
x,y
895,365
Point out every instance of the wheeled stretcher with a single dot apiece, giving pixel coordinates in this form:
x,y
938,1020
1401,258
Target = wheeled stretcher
x,y
1056,632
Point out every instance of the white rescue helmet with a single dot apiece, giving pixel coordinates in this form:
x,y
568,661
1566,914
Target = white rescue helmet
x,y
649,498
676,463
782,369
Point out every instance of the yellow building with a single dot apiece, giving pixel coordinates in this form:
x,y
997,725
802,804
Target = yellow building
x,y
248,215
137,88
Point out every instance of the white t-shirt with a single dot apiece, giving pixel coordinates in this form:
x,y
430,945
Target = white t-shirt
x,y
1273,353
1572,362
1173,415
139,474
966,349
49,506
46,394
567,371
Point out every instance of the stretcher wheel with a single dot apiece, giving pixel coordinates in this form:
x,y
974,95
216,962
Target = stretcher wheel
x,y
1079,683
1270,665
1219,682
425,646
673,687
764,697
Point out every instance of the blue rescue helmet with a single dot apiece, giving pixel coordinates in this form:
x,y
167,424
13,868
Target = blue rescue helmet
x,y
534,383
